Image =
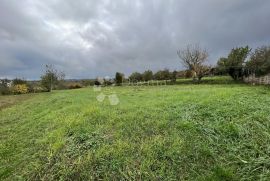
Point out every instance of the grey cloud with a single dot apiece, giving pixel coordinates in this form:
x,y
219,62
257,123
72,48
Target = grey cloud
x,y
99,37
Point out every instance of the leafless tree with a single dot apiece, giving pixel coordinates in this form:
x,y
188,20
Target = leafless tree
x,y
193,58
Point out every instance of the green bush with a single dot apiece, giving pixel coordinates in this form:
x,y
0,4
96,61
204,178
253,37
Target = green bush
x,y
37,89
74,86
4,90
18,81
119,78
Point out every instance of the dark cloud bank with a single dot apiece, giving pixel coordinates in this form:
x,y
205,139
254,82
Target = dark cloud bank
x,y
90,38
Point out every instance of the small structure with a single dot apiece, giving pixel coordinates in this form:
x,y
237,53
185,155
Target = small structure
x,y
263,80
7,82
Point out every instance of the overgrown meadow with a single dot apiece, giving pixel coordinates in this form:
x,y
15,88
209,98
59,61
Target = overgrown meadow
x,y
204,131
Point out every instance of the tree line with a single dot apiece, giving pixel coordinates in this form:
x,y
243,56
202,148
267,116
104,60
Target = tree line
x,y
240,62
147,75
50,80
192,57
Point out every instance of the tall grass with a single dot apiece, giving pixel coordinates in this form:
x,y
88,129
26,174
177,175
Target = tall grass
x,y
180,132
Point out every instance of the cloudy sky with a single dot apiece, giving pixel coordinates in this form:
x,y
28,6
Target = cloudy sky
x,y
89,38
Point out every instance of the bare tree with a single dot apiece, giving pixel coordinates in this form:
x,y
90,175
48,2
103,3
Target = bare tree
x,y
193,58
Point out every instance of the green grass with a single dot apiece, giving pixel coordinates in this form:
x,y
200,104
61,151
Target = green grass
x,y
209,80
8,100
180,132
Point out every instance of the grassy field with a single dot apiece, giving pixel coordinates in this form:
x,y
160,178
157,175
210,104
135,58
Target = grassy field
x,y
186,132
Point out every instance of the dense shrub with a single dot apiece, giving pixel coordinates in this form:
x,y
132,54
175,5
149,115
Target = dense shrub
x,y
4,90
148,75
234,63
174,76
20,89
18,81
135,77
99,81
259,62
87,82
108,82
74,86
188,74
221,68
119,78
37,89
162,75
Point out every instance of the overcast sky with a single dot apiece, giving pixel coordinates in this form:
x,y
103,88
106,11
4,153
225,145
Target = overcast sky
x,y
88,38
